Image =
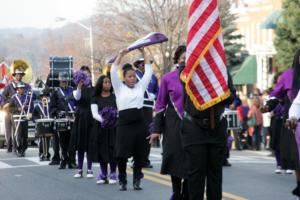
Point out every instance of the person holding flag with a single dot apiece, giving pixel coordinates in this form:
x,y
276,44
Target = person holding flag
x,y
207,90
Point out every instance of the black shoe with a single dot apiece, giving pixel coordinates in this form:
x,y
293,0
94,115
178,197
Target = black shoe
x,y
23,154
9,150
226,164
137,184
18,154
149,166
296,192
42,158
47,159
62,165
123,186
54,162
72,166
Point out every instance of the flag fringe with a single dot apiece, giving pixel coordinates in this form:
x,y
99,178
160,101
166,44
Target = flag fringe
x,y
209,103
187,77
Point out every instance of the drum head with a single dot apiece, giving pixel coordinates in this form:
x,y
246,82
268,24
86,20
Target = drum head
x,y
61,120
44,120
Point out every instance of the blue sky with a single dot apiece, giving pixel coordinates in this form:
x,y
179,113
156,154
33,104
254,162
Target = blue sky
x,y
42,13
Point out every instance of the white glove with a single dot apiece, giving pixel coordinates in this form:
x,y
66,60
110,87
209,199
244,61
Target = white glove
x,y
151,96
96,115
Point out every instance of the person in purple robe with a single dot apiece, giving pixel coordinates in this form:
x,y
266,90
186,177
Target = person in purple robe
x,y
285,91
7,94
169,113
62,104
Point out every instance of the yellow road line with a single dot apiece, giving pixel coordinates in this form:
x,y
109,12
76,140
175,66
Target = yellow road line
x,y
165,180
156,174
156,180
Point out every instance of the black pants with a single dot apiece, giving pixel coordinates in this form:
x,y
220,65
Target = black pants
x,y
137,169
10,140
41,147
21,136
148,116
55,145
205,166
180,188
64,141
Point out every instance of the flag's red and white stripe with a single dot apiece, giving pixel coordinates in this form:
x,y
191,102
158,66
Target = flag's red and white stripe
x,y
205,74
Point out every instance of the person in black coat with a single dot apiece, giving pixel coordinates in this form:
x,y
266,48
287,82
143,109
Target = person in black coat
x,y
103,138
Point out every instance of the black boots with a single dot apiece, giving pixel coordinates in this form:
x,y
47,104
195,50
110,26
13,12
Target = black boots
x,y
62,165
137,184
72,165
123,185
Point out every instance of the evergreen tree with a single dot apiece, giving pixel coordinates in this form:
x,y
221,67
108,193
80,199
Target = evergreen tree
x,y
234,53
287,40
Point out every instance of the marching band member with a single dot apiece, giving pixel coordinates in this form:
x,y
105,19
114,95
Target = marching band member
x,y
20,106
8,92
149,99
41,111
167,121
61,104
103,138
83,120
131,130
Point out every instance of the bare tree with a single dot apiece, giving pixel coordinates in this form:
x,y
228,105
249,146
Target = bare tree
x,y
129,20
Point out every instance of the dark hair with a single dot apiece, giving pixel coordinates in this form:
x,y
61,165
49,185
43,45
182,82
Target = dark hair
x,y
180,50
85,68
99,86
296,76
127,67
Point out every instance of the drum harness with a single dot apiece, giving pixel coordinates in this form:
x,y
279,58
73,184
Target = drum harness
x,y
23,110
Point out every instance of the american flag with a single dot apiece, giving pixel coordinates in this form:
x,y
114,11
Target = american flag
x,y
205,74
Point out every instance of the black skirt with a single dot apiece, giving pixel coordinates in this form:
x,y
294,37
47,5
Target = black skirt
x,y
288,149
276,125
102,145
80,134
174,160
131,134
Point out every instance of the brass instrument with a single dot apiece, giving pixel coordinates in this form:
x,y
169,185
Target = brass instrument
x,y
107,68
22,64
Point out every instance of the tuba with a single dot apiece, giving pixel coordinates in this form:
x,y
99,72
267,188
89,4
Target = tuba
x,y
25,66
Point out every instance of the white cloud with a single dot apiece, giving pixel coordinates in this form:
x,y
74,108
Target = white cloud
x,y
42,13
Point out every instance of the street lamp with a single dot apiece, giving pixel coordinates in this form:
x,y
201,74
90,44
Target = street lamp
x,y
58,19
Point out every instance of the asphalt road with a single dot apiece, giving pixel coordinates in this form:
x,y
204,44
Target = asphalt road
x,y
250,177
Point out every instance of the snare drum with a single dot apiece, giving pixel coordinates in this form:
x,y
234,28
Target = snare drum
x,y
19,118
63,124
44,127
232,119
